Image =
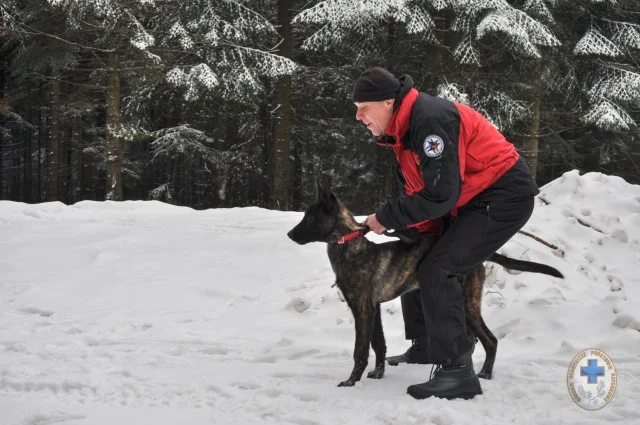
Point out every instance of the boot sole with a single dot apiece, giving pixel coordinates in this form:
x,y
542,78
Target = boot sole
x,y
463,396
392,363
472,389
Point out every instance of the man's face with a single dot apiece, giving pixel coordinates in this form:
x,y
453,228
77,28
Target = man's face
x,y
375,115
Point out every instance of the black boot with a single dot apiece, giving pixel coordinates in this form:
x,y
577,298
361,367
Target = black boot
x,y
416,354
454,379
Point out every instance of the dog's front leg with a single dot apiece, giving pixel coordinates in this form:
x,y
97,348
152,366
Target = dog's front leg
x,y
363,318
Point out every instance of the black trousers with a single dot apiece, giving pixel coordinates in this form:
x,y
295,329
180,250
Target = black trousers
x,y
436,310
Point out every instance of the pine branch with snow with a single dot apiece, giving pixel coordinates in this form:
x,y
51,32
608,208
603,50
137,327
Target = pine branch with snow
x,y
626,34
228,50
339,19
618,84
453,93
502,110
595,43
538,8
466,53
185,140
607,115
8,15
613,88
476,19
112,16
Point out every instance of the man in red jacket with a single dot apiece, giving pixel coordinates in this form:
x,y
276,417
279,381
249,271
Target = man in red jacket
x,y
453,167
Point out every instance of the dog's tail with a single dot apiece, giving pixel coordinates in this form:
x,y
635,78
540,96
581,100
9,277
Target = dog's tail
x,y
524,266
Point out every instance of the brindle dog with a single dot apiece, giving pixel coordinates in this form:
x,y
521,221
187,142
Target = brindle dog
x,y
369,274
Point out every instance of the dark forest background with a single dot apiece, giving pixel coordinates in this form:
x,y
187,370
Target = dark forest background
x,y
218,103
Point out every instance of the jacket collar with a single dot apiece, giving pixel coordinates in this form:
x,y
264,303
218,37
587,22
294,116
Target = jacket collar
x,y
399,123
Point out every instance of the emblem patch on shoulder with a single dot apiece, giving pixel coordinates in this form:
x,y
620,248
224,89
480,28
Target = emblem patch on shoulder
x,y
433,146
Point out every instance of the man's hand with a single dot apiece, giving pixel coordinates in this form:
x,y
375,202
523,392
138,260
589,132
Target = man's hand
x,y
374,225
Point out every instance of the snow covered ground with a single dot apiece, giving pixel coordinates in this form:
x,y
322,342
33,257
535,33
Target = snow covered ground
x,y
145,313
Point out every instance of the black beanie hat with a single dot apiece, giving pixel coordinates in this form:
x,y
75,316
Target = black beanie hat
x,y
375,84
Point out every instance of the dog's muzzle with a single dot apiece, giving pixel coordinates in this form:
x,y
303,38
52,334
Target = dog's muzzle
x,y
296,238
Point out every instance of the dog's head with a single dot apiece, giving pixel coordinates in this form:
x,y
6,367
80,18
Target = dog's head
x,y
320,219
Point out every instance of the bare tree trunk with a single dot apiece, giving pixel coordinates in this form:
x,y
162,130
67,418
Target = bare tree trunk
x,y
531,151
296,200
451,67
19,173
390,180
42,133
231,138
387,166
27,161
72,170
268,151
531,147
2,112
310,165
282,166
14,193
114,147
87,183
1,159
54,141
173,186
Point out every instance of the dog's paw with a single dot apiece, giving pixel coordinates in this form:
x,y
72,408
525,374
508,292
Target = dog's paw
x,y
484,374
376,373
347,383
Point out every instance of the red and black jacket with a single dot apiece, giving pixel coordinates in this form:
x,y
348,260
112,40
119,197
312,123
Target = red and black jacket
x,y
447,153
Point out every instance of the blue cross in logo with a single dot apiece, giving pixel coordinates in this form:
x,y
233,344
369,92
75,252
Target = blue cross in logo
x,y
592,371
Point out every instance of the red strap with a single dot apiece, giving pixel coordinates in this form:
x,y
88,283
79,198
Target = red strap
x,y
351,236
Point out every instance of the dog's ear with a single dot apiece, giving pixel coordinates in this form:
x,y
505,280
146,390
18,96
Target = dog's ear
x,y
323,190
319,188
323,187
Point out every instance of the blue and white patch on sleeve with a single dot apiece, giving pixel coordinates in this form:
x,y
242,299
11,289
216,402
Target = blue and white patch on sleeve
x,y
433,146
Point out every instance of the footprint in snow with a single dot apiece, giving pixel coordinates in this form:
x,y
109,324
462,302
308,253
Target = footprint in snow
x,y
36,311
219,391
313,376
244,299
285,342
303,354
53,418
589,257
305,397
620,235
265,359
550,297
272,393
216,350
283,375
33,213
246,385
503,330
300,421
